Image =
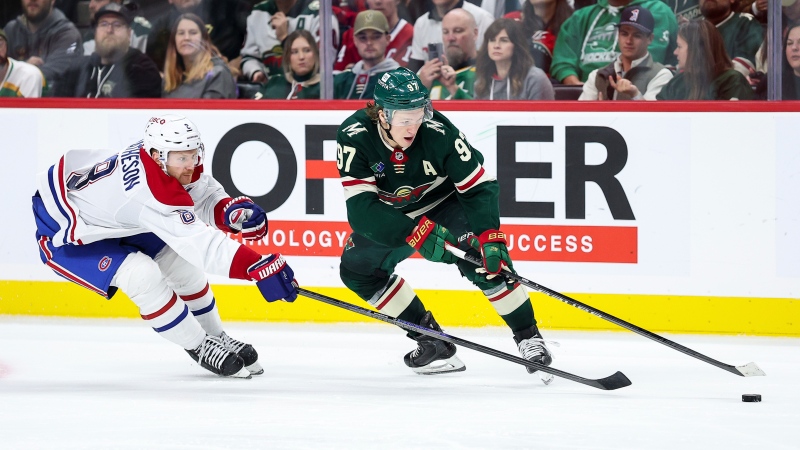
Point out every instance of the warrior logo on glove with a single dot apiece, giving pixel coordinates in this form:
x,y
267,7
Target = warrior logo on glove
x,y
274,278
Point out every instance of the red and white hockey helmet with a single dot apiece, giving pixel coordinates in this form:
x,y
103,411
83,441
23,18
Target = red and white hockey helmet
x,y
173,133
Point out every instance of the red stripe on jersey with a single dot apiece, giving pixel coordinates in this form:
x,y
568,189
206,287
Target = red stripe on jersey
x,y
43,245
61,188
187,298
165,189
357,182
390,296
75,279
219,215
244,258
471,182
164,309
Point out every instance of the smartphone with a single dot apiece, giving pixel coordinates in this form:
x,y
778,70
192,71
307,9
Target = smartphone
x,y
435,51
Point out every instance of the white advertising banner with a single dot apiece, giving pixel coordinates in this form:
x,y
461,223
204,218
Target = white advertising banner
x,y
595,202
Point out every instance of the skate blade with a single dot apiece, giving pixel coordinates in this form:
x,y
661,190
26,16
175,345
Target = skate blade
x,y
255,369
242,373
545,377
449,365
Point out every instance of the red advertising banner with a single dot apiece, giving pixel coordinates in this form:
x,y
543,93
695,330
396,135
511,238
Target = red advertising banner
x,y
605,244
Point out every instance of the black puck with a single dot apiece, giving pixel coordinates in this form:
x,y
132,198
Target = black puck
x,y
751,398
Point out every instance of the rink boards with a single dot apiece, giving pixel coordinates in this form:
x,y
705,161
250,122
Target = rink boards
x,y
676,220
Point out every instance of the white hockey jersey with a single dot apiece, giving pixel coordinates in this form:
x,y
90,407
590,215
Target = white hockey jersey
x,y
101,194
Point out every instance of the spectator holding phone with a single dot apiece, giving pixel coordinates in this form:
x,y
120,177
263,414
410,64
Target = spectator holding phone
x,y
428,28
451,75
634,75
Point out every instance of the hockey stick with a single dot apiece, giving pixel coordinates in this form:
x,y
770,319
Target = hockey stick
x,y
746,370
615,381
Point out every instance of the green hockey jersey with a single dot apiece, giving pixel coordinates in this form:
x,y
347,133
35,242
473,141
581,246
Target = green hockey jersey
x,y
386,189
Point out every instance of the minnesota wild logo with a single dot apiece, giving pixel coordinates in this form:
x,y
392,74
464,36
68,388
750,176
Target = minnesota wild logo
x,y
404,195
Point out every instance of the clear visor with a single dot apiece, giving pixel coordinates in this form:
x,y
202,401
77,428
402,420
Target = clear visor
x,y
184,159
409,117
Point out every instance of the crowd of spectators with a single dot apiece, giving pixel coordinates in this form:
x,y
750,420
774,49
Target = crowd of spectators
x,y
461,49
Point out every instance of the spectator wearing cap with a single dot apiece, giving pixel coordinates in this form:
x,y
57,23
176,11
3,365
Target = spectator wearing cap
x,y
44,37
400,35
741,33
18,78
140,27
588,39
115,69
371,37
634,75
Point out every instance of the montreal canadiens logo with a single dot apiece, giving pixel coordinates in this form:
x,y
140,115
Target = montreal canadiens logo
x,y
104,264
187,217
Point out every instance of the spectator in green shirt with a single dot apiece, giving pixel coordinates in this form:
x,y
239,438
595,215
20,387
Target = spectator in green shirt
x,y
741,33
300,76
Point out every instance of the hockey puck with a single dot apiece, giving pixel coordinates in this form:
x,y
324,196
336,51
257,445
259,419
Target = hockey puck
x,y
750,398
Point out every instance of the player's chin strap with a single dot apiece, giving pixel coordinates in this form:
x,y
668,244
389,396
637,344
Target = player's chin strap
x,y
388,131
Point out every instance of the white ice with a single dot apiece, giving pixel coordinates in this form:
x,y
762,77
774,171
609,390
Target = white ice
x,y
115,384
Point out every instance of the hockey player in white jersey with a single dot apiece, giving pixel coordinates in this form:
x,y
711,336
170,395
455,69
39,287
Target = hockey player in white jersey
x,y
148,221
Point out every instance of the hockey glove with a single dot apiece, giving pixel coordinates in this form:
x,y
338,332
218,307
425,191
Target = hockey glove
x,y
274,278
429,238
492,245
242,215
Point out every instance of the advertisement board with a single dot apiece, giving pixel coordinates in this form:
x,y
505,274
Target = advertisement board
x,y
656,203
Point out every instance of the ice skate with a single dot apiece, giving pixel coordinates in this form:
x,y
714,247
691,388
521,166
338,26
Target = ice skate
x,y
244,351
533,348
433,356
212,355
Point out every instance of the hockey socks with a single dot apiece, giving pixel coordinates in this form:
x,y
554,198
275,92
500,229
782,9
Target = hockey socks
x,y
141,279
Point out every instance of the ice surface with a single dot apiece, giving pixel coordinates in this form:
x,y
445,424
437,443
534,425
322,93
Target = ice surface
x,y
115,384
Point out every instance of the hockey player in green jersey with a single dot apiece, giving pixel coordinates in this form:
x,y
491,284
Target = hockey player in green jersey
x,y
412,183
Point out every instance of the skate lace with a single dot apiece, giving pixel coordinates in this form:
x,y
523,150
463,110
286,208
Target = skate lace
x,y
417,351
533,347
212,351
231,344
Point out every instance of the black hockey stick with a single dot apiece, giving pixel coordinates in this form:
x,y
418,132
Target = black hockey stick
x,y
615,381
746,370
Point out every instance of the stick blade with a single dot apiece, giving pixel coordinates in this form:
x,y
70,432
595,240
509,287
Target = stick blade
x,y
612,382
751,370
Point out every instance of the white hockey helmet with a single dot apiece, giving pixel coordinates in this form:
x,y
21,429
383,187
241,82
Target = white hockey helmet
x,y
170,133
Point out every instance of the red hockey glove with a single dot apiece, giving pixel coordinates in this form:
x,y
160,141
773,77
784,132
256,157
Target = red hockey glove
x,y
274,278
492,245
429,238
